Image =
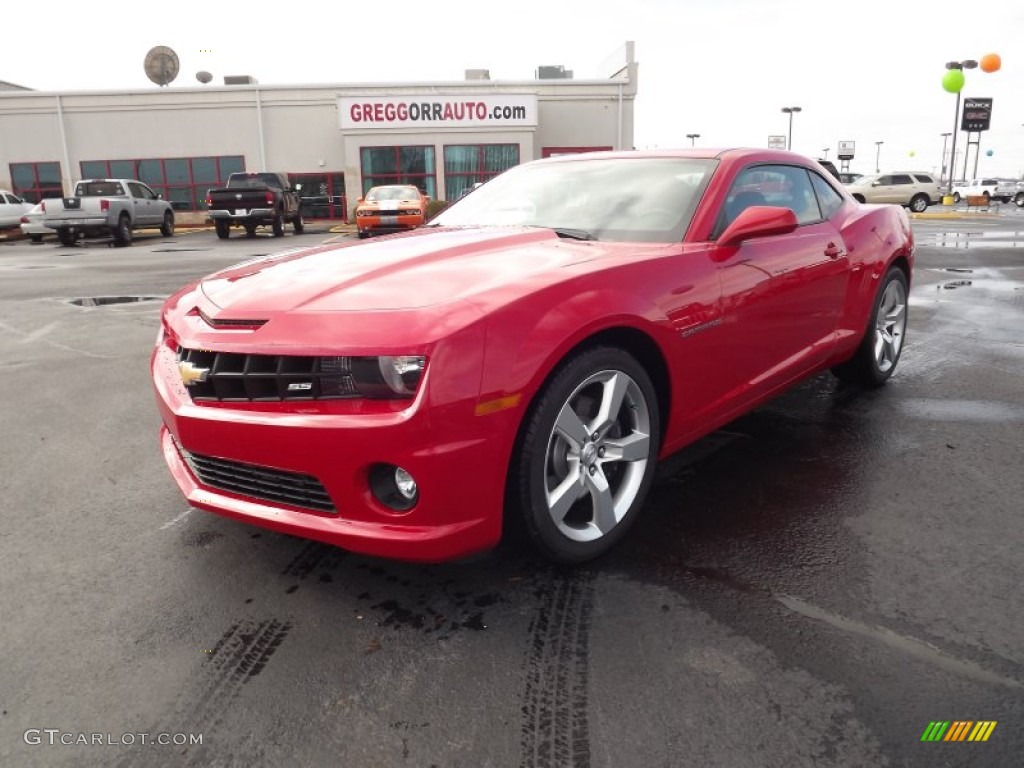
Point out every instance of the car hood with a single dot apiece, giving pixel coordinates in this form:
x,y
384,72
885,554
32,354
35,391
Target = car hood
x,y
422,269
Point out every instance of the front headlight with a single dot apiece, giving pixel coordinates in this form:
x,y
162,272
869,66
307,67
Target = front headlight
x,y
388,376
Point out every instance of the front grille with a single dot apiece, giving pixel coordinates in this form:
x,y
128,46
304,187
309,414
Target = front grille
x,y
256,482
233,376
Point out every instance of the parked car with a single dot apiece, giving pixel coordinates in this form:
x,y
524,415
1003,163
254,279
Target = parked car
x,y
913,189
527,356
391,208
12,208
32,224
100,207
849,178
253,199
1003,190
1018,194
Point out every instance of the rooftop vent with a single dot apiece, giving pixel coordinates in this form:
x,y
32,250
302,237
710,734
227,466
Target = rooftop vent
x,y
554,72
240,80
478,74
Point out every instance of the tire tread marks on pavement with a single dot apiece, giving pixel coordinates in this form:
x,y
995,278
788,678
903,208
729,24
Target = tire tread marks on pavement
x,y
555,730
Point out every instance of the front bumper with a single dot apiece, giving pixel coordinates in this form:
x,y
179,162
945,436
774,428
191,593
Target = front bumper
x,y
459,469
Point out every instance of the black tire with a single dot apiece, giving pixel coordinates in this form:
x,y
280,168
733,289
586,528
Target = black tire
x,y
545,457
167,228
865,368
1019,199
278,225
123,231
66,236
363,235
36,238
956,197
298,224
919,203
250,229
223,229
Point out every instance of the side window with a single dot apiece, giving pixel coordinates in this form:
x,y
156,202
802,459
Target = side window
x,y
829,200
902,178
136,190
885,181
782,186
924,178
147,193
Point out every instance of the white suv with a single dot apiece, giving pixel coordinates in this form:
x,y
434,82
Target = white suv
x,y
994,189
914,189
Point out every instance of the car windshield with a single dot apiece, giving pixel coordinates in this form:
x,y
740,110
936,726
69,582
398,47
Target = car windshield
x,y
392,193
641,199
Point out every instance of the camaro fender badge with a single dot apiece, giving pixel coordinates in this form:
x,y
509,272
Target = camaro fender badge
x,y
190,374
700,327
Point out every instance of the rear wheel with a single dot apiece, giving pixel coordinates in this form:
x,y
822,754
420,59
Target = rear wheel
x,y
298,224
223,229
36,238
167,228
919,203
879,351
66,236
956,197
1019,199
587,455
278,225
123,231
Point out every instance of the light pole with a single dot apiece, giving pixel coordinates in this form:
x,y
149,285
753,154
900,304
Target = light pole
x,y
693,138
878,155
790,111
961,65
944,137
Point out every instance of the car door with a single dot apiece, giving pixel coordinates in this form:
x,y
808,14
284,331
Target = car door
x,y
155,206
782,294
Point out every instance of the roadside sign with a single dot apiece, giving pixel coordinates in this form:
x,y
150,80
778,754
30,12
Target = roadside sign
x,y
845,150
776,142
977,115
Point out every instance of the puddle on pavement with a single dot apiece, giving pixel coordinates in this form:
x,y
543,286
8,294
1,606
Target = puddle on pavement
x,y
179,250
952,285
102,301
992,411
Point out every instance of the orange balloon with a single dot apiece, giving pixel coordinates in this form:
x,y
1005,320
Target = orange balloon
x,y
990,62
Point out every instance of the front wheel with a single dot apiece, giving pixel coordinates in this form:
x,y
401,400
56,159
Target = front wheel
x,y
956,197
298,224
36,238
586,457
879,351
167,228
919,203
1019,199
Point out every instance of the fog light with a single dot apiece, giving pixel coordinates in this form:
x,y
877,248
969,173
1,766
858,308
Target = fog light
x,y
393,487
406,485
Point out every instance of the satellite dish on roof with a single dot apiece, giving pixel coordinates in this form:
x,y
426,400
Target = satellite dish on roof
x,y
204,77
161,65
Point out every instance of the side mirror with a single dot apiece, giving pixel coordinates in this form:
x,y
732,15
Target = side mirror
x,y
159,195
876,183
359,201
758,221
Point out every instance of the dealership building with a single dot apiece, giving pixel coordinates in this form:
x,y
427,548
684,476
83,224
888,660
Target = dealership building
x,y
336,141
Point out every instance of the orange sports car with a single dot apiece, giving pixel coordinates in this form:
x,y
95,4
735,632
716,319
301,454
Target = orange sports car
x,y
392,208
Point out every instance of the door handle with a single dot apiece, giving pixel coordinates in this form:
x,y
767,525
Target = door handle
x,y
833,251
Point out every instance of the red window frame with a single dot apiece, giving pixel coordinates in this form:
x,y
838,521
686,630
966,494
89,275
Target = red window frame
x,y
197,190
479,174
381,179
37,191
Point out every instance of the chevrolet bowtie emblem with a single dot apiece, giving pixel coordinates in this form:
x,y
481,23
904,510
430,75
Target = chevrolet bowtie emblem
x,y
190,374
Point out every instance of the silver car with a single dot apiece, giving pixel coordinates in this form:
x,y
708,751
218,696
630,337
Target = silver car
x,y
913,189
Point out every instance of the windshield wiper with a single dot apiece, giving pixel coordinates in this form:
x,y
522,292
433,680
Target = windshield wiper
x,y
573,234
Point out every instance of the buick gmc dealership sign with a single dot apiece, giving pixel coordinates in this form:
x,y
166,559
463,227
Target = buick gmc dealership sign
x,y
437,111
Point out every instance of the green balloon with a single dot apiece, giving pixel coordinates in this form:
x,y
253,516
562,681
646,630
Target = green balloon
x,y
953,80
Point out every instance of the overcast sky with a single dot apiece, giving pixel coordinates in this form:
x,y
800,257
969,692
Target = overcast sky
x,y
861,70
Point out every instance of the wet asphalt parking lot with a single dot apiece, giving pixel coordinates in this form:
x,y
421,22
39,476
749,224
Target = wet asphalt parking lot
x,y
810,586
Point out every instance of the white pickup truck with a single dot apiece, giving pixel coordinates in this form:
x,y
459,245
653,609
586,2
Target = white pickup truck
x,y
994,189
101,207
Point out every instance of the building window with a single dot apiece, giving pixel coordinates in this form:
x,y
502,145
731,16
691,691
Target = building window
x,y
182,181
469,164
399,165
36,181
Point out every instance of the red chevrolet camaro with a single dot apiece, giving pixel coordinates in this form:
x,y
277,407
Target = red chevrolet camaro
x,y
528,355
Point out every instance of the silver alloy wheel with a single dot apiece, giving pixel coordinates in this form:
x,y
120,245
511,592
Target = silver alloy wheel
x,y
597,455
890,323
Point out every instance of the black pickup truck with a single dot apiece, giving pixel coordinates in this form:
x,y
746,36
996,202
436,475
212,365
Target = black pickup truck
x,y
252,199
